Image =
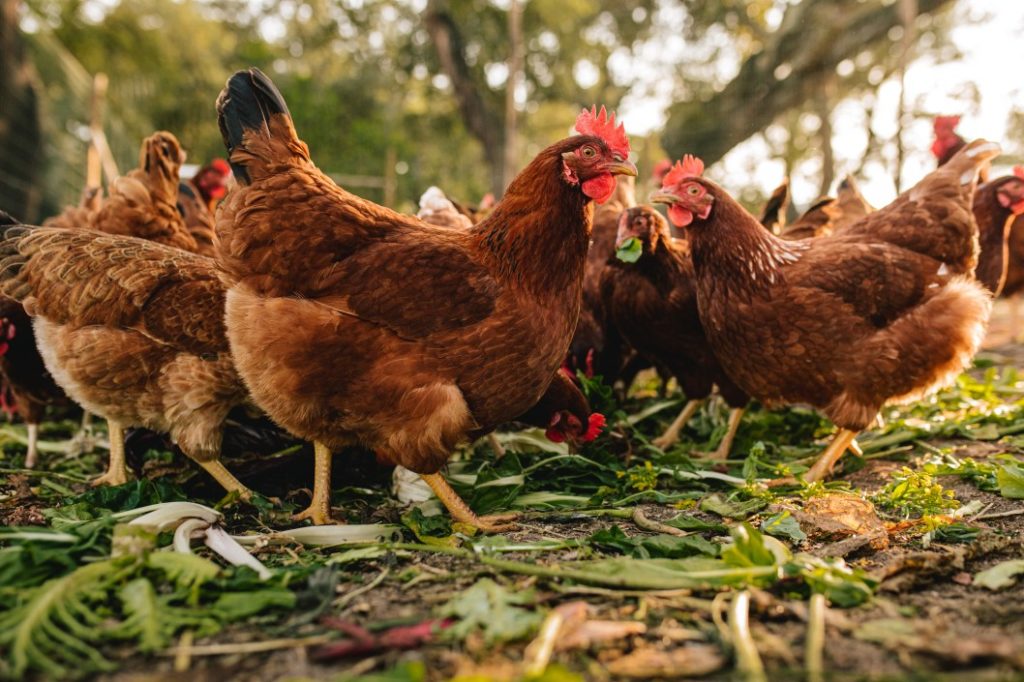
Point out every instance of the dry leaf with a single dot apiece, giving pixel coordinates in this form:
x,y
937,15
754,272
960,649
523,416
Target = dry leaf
x,y
685,661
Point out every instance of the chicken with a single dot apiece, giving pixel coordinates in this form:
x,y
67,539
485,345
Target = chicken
x,y
596,348
817,221
563,409
211,183
25,386
851,204
81,214
997,204
773,215
438,209
353,324
198,219
947,142
884,312
652,303
132,331
144,203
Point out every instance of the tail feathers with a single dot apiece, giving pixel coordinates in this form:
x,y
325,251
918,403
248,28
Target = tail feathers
x,y
251,103
972,158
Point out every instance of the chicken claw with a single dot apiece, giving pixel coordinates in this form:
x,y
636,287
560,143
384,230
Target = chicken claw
x,y
460,511
822,467
671,435
117,472
319,510
227,480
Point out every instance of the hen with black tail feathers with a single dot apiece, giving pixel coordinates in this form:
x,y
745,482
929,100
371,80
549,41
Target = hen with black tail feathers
x,y
353,324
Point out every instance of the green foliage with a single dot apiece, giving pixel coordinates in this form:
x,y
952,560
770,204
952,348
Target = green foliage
x,y
1000,576
732,508
912,494
783,525
652,546
493,611
1010,477
630,250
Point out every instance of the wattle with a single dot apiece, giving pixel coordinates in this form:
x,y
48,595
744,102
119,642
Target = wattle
x,y
600,188
679,216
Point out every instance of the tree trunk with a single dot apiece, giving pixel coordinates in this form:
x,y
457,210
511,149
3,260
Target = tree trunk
x,y
20,136
482,121
823,107
515,72
814,36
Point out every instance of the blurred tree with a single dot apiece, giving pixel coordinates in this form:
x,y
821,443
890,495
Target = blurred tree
x,y
567,45
782,69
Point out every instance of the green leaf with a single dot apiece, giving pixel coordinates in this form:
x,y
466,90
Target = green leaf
x,y
653,546
686,521
630,250
140,603
1010,477
842,585
747,548
494,611
731,509
1001,575
233,606
783,525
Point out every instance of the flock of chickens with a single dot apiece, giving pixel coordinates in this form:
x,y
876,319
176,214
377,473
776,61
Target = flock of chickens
x,y
349,324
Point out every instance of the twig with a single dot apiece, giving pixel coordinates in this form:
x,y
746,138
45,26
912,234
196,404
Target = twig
x,y
747,659
254,647
348,597
814,648
645,523
998,515
43,472
183,657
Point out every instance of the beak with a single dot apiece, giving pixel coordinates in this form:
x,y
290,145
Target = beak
x,y
621,168
663,197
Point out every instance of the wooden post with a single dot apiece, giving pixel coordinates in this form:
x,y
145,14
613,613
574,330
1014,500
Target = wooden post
x,y
515,72
908,12
93,167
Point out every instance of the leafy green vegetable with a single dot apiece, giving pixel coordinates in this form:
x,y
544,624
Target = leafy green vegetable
x,y
630,250
783,525
732,509
692,523
1010,477
1001,575
912,494
653,546
494,611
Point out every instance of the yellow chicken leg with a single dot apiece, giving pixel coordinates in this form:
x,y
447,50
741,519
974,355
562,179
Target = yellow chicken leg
x,y
461,512
671,435
735,417
319,510
33,446
117,471
823,466
227,480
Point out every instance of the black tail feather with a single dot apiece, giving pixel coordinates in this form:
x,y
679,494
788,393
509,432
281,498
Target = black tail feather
x,y
246,103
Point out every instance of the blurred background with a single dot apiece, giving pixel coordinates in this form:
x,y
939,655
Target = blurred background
x,y
395,95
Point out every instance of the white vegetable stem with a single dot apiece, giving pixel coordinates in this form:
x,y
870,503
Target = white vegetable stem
x,y
747,659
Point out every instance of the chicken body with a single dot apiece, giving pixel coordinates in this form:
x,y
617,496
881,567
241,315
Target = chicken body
x,y
388,332
652,304
27,388
997,205
144,203
132,331
198,218
884,312
81,214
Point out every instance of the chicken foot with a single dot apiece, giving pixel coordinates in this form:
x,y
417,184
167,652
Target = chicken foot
x,y
461,512
671,435
319,510
499,449
226,479
117,470
822,467
735,417
33,446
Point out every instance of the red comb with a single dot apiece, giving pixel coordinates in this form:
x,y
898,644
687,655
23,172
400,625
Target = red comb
x,y
1019,171
600,124
594,426
945,123
689,167
221,166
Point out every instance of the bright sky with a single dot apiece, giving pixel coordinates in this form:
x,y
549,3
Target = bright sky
x,y
992,51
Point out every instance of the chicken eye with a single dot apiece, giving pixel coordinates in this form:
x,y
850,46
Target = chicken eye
x,y
693,190
589,152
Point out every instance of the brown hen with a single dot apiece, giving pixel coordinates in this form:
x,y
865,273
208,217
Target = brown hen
x,y
354,324
132,331
884,312
652,304
79,215
997,204
144,203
